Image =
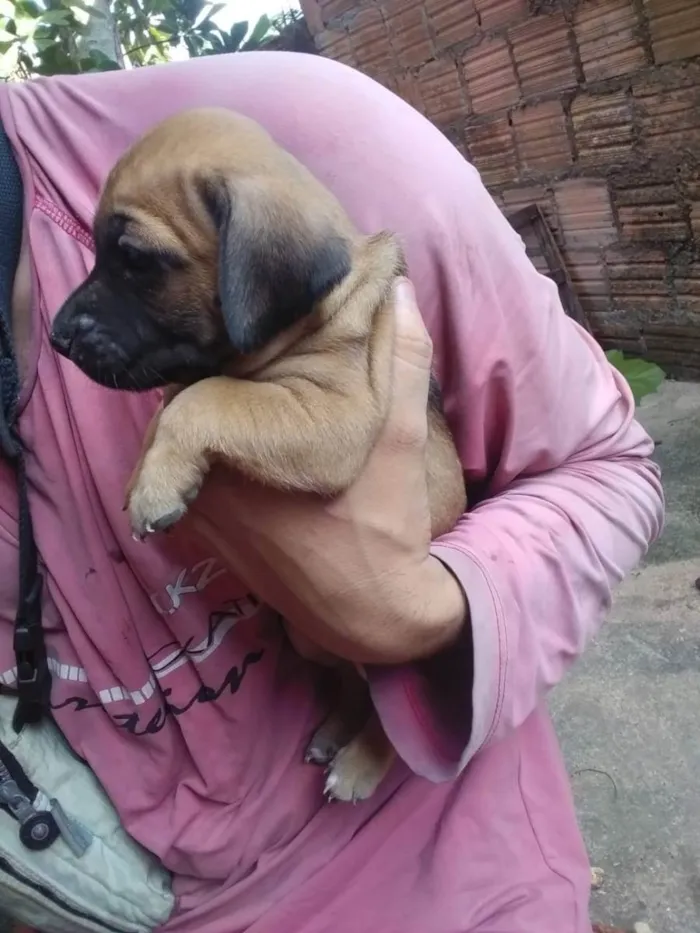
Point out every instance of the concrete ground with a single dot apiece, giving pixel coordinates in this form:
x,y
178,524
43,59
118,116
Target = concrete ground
x,y
629,713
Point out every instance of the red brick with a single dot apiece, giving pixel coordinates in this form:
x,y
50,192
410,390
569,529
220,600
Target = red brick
x,y
333,9
313,16
491,81
669,118
650,211
452,21
543,55
496,13
638,278
395,7
370,41
516,198
335,44
606,31
457,142
410,37
694,194
589,279
441,92
634,262
602,127
497,199
491,150
695,218
686,283
675,28
387,78
585,213
540,133
407,88
646,297
533,249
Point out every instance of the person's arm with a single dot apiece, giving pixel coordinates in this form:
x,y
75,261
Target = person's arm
x,y
571,500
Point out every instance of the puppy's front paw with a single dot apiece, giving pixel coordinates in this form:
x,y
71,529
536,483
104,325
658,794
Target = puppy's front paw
x,y
161,492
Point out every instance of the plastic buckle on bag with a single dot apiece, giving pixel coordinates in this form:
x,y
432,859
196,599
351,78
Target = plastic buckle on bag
x,y
33,676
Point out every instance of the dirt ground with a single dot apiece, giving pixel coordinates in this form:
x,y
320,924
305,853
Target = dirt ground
x,y
629,713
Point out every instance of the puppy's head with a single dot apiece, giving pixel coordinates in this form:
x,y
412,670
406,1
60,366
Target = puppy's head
x,y
210,241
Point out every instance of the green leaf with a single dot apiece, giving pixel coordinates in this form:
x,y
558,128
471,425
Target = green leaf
x,y
28,9
260,31
215,8
236,36
56,17
83,7
55,61
25,28
644,378
44,43
191,9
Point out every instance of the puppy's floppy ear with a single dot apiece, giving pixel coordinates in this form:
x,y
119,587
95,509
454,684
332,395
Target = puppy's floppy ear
x,y
274,264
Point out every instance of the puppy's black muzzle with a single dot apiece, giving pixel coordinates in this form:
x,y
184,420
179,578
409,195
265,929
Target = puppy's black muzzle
x,y
114,339
80,338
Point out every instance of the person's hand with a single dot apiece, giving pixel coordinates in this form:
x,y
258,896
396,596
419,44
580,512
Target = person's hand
x,y
353,574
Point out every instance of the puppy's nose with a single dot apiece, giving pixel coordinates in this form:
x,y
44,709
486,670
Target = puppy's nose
x,y
63,336
61,341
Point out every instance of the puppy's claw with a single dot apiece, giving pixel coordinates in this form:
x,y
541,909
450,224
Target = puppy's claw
x,y
334,792
332,735
166,522
355,773
321,751
156,505
142,529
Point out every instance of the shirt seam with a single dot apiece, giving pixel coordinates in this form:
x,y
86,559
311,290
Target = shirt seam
x,y
65,221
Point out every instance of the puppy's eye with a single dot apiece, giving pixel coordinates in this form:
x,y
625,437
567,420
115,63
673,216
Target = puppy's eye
x,y
135,256
141,257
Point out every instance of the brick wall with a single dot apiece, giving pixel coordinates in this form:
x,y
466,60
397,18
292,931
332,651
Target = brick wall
x,y
590,108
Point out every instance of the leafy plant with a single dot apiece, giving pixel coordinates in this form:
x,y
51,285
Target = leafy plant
x,y
644,377
46,37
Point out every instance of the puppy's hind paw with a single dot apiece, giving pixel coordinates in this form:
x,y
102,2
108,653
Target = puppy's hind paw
x,y
353,775
327,741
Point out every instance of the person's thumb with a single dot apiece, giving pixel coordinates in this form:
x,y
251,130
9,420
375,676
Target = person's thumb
x,y
413,345
413,352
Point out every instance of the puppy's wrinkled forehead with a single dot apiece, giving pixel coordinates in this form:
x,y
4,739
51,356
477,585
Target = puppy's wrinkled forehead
x,y
207,219
167,181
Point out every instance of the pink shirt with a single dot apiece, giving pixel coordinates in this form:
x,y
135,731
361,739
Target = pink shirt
x,y
182,694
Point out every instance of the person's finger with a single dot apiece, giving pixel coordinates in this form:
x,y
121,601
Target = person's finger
x,y
406,423
392,487
413,343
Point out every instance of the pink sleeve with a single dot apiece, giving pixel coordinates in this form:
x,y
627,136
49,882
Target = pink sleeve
x,y
570,500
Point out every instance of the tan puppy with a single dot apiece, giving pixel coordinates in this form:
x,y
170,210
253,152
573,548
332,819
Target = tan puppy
x,y
227,272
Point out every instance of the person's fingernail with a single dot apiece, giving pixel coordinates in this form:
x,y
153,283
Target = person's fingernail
x,y
405,293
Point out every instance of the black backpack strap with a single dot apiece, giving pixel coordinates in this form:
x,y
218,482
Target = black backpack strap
x,y
33,674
